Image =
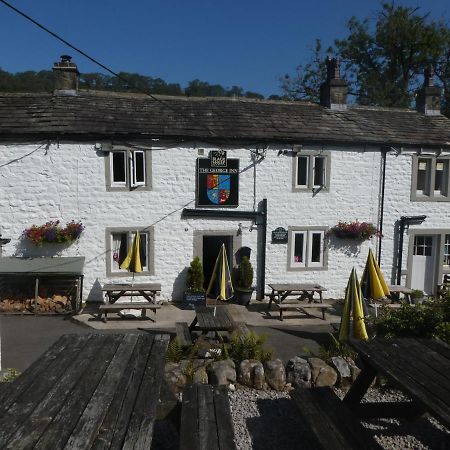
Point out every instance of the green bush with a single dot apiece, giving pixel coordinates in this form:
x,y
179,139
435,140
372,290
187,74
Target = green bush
x,y
336,348
195,276
174,351
245,274
10,375
249,346
421,321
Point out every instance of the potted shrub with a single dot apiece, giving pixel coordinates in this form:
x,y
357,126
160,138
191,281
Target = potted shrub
x,y
360,231
244,280
195,292
416,296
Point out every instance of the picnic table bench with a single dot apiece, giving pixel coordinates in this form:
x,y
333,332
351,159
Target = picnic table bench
x,y
115,291
419,367
206,419
302,292
211,319
328,422
87,391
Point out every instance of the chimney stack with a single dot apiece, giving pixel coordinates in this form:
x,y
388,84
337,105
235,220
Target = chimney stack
x,y
333,92
428,97
66,76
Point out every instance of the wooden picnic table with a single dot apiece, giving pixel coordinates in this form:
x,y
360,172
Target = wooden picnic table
x,y
205,320
302,292
419,367
87,391
147,290
396,290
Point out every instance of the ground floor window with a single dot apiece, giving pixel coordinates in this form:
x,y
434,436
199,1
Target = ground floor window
x,y
118,243
306,249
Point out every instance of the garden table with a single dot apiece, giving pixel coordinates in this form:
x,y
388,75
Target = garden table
x,y
205,320
419,367
301,291
87,391
147,290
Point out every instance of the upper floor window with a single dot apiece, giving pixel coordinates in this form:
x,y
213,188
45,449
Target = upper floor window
x,y
311,171
128,169
430,179
118,243
306,248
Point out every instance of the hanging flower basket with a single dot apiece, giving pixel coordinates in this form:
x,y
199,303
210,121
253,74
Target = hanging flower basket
x,y
53,233
361,231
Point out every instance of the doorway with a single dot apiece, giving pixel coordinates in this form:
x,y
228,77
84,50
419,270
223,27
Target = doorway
x,y
423,263
211,247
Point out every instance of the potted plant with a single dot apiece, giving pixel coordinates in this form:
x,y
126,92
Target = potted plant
x,y
53,233
244,280
361,231
195,292
416,296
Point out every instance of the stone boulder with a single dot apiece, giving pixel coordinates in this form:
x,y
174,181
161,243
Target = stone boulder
x,y
251,373
342,369
354,369
222,372
175,377
275,374
200,376
298,372
321,373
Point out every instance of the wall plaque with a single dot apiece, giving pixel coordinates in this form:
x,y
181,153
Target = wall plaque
x,y
279,236
217,186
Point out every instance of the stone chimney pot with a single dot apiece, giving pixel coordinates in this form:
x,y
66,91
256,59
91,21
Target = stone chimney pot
x,y
66,76
333,92
428,97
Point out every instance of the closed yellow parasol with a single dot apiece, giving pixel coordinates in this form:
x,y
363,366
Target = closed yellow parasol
x,y
373,285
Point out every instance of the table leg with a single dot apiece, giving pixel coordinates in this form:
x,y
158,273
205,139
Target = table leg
x,y
192,325
271,299
320,297
360,386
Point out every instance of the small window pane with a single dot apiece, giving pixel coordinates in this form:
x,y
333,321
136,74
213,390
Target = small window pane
x,y
143,250
316,249
441,177
119,249
298,247
423,176
302,171
447,250
139,167
319,171
118,167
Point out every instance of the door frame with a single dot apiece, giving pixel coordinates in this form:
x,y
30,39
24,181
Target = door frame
x,y
198,242
439,270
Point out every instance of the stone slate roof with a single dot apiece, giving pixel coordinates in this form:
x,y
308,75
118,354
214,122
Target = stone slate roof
x,y
119,116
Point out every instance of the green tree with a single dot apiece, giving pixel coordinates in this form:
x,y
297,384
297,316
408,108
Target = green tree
x,y
382,59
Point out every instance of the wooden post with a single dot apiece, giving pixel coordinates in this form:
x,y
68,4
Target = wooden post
x,y
36,293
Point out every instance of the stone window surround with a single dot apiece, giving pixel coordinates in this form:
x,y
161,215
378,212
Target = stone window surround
x,y
291,230
150,250
440,270
300,152
415,197
128,150
198,241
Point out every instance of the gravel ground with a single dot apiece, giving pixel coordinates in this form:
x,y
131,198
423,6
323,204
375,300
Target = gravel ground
x,y
268,419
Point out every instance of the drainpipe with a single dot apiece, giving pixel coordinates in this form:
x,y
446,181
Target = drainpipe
x,y
404,222
383,186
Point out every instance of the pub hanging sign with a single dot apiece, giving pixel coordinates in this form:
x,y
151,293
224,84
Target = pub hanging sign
x,y
217,180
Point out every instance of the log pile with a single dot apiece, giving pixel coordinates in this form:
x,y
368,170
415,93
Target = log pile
x,y
58,304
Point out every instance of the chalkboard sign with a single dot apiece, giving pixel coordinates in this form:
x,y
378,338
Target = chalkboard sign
x,y
279,236
193,299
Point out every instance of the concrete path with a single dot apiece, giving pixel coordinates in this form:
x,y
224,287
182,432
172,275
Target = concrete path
x,y
25,338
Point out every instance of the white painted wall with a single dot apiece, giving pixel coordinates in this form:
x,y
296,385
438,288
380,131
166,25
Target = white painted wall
x,y
67,181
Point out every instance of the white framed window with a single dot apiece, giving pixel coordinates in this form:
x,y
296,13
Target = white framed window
x,y
446,252
311,170
118,243
128,169
306,248
430,178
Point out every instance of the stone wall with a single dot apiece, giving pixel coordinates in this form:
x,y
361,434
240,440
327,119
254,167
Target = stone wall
x,y
66,181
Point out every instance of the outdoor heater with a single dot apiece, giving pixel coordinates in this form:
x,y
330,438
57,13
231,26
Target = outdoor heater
x,y
405,221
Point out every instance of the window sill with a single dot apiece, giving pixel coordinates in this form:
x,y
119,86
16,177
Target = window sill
x,y
127,189
306,269
427,198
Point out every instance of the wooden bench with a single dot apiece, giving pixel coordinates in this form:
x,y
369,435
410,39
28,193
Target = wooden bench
x,y
330,422
183,334
206,419
120,306
301,307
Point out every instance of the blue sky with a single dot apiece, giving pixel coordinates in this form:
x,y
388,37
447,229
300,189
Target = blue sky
x,y
250,43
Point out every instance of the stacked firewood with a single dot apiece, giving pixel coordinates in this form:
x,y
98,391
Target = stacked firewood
x,y
55,304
